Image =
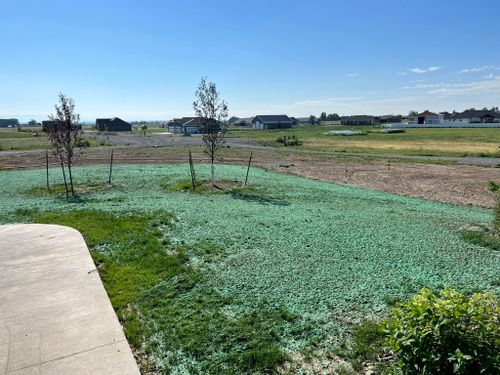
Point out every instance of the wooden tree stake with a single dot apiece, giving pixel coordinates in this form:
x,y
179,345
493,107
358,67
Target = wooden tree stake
x,y
191,168
110,167
248,168
47,169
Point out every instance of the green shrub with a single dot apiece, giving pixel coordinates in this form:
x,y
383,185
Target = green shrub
x,y
493,186
447,333
291,140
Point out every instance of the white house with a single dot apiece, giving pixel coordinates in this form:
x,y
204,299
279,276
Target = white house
x,y
185,125
427,117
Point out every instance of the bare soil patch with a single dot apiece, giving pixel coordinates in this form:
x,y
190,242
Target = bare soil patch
x,y
458,184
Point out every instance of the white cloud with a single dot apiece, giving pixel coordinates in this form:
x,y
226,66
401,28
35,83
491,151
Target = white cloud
x,y
488,76
425,70
340,105
434,85
491,86
479,69
352,74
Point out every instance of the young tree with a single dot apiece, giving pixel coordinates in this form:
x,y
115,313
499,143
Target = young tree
x,y
65,134
211,111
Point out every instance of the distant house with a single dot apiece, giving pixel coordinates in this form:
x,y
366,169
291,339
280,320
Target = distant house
x,y
389,119
427,117
184,125
357,120
472,116
48,124
307,120
114,124
261,122
8,122
237,121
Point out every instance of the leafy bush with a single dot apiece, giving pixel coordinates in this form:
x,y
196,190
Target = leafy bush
x,y
493,186
446,333
291,140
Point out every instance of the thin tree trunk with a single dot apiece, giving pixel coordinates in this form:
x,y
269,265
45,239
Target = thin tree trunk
x,y
212,172
70,178
64,176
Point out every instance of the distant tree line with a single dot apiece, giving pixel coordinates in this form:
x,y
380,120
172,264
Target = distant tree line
x,y
329,117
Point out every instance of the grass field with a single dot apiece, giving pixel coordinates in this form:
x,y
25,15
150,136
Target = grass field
x,y
436,142
30,138
257,279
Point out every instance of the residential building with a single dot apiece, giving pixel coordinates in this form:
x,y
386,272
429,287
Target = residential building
x,y
244,122
47,124
184,125
307,120
473,116
261,122
427,117
389,119
357,120
114,124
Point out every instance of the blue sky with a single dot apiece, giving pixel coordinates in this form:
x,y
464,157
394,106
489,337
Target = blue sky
x,y
144,59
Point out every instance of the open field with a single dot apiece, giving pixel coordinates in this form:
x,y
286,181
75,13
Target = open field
x,y
255,279
437,142
434,142
436,179
32,138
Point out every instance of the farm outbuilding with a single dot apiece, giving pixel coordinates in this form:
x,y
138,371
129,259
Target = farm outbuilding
x,y
114,124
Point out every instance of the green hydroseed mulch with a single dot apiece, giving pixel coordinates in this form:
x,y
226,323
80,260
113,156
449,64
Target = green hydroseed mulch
x,y
298,260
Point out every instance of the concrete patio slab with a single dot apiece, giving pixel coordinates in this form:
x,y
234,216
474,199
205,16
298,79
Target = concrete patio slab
x,y
55,316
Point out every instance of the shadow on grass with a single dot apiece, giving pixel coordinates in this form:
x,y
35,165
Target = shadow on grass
x,y
248,197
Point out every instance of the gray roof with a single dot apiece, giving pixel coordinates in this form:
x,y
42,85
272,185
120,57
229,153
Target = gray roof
x,y
305,119
387,117
185,121
109,120
469,113
427,113
273,118
357,117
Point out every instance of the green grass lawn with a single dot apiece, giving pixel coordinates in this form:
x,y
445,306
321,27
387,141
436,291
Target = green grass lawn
x,y
253,279
436,142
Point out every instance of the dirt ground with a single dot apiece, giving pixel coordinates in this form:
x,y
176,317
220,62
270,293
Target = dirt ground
x,y
458,184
